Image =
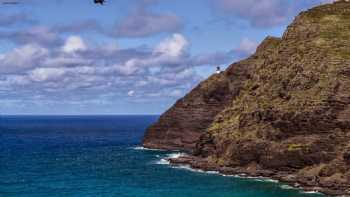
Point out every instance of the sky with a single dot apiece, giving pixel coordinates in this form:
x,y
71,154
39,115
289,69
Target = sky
x,y
64,57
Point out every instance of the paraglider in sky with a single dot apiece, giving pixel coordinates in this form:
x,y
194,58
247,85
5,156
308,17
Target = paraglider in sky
x,y
99,1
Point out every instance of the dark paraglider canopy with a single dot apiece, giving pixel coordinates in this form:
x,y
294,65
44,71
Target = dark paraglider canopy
x,y
99,1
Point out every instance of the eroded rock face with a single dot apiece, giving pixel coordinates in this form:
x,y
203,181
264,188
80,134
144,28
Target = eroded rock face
x,y
182,125
285,110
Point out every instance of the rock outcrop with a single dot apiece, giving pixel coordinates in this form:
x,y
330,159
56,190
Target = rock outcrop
x,y
284,112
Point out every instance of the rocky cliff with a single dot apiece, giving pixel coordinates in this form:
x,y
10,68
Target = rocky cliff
x,y
284,112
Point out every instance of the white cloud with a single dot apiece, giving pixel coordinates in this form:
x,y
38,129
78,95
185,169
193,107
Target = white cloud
x,y
22,58
46,74
131,93
61,72
11,81
169,51
130,67
74,43
174,46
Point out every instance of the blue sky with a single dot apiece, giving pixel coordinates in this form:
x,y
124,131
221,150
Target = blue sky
x,y
127,56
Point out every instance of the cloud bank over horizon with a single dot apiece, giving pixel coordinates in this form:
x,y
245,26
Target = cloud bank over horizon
x,y
138,60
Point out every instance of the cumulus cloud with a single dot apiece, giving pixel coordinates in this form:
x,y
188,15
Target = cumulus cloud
x,y
173,46
76,69
22,58
45,74
131,93
73,44
129,67
169,52
77,72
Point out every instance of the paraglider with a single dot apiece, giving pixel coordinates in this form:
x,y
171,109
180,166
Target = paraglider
x,y
99,2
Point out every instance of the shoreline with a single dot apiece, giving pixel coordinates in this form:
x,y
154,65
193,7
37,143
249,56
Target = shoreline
x,y
288,179
198,164
174,161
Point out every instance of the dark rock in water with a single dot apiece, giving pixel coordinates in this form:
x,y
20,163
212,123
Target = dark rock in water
x,y
284,112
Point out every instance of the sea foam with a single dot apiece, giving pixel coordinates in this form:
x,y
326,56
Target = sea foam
x,y
175,155
287,187
163,162
311,192
143,148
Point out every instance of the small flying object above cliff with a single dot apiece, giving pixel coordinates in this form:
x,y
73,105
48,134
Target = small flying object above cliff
x,y
99,2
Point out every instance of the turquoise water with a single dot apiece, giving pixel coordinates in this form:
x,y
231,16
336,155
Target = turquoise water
x,y
95,156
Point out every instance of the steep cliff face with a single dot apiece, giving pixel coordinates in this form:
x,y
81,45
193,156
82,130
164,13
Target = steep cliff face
x,y
182,125
284,112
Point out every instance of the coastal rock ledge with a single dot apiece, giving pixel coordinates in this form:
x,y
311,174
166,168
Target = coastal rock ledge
x,y
283,113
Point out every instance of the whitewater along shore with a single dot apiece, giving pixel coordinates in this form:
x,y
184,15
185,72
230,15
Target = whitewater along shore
x,y
307,184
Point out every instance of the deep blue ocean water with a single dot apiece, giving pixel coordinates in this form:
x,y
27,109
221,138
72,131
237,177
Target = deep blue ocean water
x,y
95,156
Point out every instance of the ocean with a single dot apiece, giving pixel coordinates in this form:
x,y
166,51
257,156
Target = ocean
x,y
100,156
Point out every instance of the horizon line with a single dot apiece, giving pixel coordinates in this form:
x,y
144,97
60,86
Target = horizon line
x,y
80,115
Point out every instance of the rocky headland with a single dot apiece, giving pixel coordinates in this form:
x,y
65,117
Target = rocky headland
x,y
282,113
